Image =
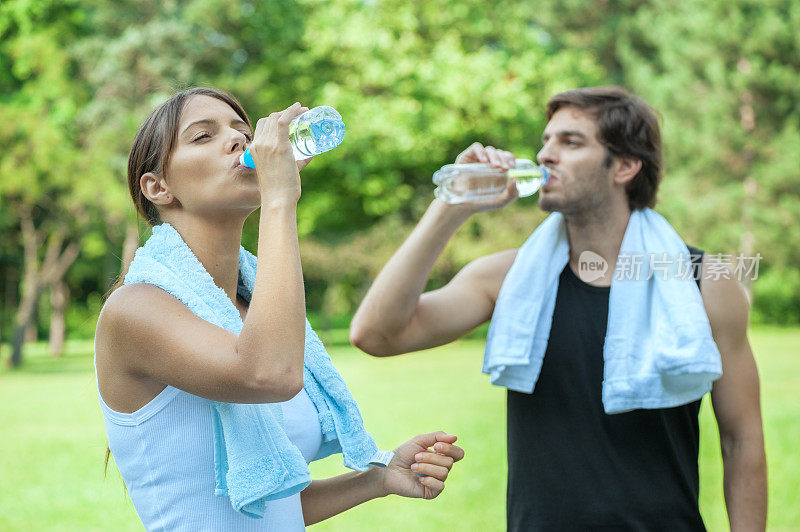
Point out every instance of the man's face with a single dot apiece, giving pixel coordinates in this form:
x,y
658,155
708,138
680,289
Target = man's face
x,y
580,179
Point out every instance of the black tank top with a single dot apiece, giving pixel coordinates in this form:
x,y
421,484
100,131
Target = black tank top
x,y
571,466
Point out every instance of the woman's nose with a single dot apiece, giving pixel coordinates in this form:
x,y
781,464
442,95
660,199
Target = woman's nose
x,y
238,141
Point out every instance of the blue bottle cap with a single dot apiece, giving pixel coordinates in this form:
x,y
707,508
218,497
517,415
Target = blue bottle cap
x,y
246,159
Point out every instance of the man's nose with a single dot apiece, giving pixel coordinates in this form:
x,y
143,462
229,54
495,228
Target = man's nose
x,y
546,155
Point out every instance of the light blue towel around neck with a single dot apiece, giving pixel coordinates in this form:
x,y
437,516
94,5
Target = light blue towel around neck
x,y
658,351
254,460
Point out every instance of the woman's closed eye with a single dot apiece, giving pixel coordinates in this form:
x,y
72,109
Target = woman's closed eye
x,y
204,134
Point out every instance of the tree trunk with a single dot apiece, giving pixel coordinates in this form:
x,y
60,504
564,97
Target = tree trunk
x,y
22,322
11,287
32,328
59,293
31,241
54,266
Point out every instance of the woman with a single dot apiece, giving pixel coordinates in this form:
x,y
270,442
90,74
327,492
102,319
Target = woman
x,y
172,375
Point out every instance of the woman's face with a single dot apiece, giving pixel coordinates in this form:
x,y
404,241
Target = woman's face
x,y
203,173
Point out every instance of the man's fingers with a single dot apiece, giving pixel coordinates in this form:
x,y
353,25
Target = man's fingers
x,y
491,154
476,152
508,158
473,154
497,157
511,188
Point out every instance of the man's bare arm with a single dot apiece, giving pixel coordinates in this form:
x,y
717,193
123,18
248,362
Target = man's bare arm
x,y
735,397
396,317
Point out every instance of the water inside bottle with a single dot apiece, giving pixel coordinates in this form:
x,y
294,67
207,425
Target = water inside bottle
x,y
481,182
528,180
312,135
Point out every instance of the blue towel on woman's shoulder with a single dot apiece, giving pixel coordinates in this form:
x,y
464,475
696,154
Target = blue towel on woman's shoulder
x,y
658,350
254,460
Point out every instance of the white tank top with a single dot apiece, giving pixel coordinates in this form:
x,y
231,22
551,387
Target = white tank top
x,y
164,452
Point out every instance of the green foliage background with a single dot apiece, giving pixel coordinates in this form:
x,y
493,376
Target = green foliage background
x,y
416,83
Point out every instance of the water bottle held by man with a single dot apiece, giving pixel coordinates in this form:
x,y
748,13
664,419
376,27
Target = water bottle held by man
x,y
316,131
463,183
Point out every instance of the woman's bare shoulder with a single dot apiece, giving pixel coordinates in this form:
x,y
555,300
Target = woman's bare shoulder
x,y
130,301
120,338
128,311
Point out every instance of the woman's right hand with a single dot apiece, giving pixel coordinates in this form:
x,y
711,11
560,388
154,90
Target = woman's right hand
x,y
276,169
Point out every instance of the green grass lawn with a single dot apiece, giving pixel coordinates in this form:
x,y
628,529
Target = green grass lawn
x,y
52,439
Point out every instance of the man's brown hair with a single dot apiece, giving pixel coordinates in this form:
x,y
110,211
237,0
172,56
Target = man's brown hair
x,y
628,127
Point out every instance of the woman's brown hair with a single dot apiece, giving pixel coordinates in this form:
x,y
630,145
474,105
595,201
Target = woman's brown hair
x,y
628,127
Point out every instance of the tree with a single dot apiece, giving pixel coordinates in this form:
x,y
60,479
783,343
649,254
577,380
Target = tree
x,y
39,164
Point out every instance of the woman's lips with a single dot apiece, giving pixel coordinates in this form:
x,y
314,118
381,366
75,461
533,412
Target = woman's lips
x,y
237,162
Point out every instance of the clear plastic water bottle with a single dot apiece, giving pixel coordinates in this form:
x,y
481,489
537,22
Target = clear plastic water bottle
x,y
316,131
462,183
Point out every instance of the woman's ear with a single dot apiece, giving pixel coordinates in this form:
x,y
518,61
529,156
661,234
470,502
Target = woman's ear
x,y
627,169
155,189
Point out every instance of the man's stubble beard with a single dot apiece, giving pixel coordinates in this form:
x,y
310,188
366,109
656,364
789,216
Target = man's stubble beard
x,y
593,197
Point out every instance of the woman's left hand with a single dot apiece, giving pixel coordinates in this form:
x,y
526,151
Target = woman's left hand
x,y
415,458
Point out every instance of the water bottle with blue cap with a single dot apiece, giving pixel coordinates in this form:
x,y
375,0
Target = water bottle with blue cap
x,y
316,131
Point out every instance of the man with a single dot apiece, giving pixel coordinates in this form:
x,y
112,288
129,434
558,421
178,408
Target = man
x,y
572,466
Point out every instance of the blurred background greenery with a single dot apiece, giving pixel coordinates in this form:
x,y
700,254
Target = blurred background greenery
x,y
416,82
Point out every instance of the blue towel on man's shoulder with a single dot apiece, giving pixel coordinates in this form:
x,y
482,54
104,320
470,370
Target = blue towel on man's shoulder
x,y
658,350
